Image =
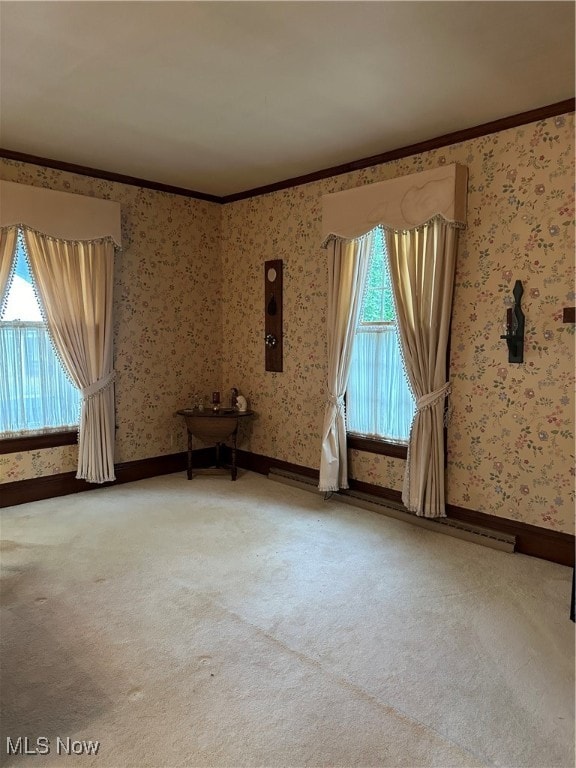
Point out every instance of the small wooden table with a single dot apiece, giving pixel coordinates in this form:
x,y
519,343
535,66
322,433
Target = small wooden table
x,y
213,427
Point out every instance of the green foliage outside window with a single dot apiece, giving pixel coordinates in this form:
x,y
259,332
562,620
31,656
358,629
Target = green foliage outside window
x,y
378,304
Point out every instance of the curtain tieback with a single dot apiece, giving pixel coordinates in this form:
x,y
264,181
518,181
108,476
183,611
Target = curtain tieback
x,y
336,401
98,385
432,398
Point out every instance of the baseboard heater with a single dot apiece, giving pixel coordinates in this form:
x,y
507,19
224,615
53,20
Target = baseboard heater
x,y
456,528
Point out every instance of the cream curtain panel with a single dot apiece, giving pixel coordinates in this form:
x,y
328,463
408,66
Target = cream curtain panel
x,y
421,215
70,241
8,240
347,267
422,268
74,280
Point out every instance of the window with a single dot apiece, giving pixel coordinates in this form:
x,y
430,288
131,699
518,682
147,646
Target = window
x,y
379,402
36,395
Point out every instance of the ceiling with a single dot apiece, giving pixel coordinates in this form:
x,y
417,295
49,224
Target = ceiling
x,y
223,97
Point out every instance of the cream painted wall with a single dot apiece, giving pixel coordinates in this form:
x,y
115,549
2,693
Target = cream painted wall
x,y
510,437
167,316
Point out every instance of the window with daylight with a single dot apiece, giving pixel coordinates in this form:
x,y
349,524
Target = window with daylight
x,y
36,395
379,401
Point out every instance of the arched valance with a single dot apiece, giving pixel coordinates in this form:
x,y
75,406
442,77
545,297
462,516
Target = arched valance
x,y
399,204
61,215
69,243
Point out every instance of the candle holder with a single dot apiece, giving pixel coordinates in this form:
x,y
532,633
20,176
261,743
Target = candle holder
x,y
514,326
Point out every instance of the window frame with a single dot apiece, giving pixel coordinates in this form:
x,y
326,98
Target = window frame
x,y
34,440
38,440
374,445
356,442
380,446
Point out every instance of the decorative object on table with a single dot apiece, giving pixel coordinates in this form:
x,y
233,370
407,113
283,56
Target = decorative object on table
x,y
233,397
215,401
242,403
514,327
273,315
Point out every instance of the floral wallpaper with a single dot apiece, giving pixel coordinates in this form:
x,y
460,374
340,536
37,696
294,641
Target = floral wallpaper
x,y
27,464
510,436
189,318
167,316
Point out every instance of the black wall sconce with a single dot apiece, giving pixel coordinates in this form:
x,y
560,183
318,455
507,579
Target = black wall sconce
x,y
515,327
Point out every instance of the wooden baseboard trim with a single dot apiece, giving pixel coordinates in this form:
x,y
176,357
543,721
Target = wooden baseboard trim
x,y
531,540
256,462
51,486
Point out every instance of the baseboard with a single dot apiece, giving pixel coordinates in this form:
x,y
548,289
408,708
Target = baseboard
x,y
51,486
256,462
531,540
483,536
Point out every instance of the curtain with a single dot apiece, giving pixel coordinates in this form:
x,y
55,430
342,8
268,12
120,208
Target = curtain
x,y
422,268
8,240
74,280
347,267
378,405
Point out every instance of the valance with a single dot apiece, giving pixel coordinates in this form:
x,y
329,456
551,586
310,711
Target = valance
x,y
403,203
61,215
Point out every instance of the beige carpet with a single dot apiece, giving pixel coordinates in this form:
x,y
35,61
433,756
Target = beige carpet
x,y
211,623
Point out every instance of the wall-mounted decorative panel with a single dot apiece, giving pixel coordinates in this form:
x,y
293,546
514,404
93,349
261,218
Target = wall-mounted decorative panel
x,y
273,314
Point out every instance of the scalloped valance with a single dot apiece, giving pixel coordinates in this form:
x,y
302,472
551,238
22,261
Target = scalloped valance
x,y
403,203
61,215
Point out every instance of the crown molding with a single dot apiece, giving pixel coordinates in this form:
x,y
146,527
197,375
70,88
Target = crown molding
x,y
512,121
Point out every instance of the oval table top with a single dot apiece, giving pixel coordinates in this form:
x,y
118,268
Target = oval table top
x,y
209,413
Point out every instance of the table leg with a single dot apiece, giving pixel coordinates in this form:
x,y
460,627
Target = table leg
x,y
189,459
234,470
